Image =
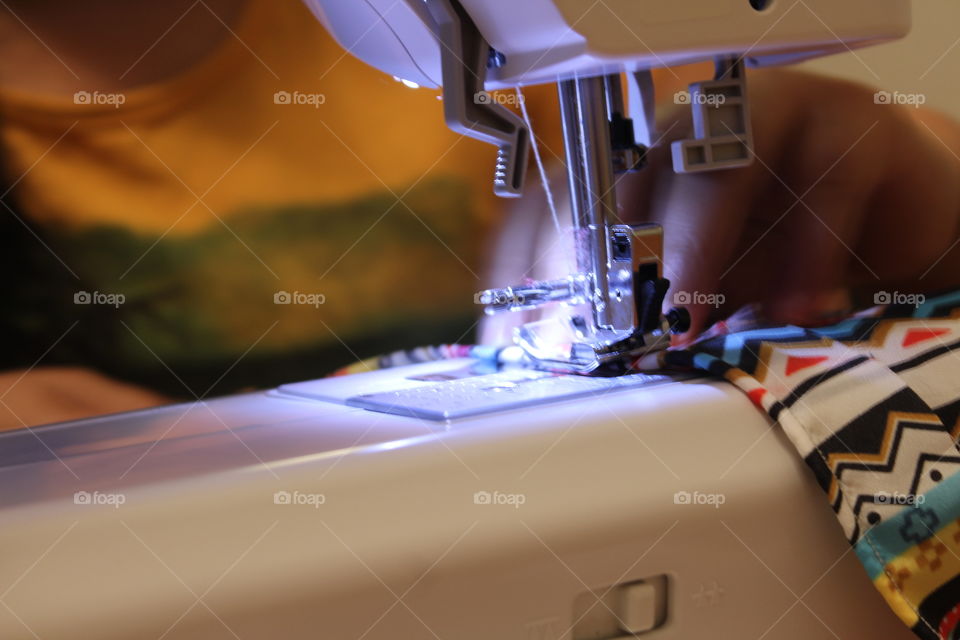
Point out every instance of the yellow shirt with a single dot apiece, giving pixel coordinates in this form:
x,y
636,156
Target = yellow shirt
x,y
278,211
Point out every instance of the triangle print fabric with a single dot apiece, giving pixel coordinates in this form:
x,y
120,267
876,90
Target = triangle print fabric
x,y
872,404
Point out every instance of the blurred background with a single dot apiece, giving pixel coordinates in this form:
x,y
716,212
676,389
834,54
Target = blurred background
x,y
927,61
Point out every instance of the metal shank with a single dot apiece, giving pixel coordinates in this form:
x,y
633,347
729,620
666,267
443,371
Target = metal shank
x,y
583,109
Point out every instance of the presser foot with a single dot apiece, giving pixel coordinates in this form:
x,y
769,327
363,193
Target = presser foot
x,y
570,342
594,355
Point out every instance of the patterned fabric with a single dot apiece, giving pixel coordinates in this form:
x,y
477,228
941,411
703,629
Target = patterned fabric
x,y
872,404
408,356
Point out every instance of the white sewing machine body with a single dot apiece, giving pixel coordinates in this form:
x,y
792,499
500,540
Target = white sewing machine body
x,y
182,502
546,40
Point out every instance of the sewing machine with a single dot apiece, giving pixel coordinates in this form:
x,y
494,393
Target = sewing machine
x,y
452,499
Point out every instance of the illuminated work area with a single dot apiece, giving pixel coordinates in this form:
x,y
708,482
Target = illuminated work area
x,y
467,319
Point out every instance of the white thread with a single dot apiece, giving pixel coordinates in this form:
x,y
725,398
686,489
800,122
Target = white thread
x,y
545,182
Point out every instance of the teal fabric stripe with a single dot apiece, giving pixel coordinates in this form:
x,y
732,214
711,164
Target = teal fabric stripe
x,y
485,352
887,541
840,330
735,341
703,361
927,308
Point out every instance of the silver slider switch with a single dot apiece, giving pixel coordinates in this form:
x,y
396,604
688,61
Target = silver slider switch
x,y
637,607
622,611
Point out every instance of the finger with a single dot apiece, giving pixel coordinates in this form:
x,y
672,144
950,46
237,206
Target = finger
x,y
702,217
823,231
705,215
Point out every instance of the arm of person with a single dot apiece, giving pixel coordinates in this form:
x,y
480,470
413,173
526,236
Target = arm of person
x,y
848,198
41,395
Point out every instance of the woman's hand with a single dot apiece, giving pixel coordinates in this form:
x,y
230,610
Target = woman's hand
x,y
844,195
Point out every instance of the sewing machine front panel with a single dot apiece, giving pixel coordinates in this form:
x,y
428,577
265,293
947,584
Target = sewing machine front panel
x,y
305,516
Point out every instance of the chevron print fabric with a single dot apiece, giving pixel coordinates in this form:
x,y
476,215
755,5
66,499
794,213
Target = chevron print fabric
x,y
872,404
